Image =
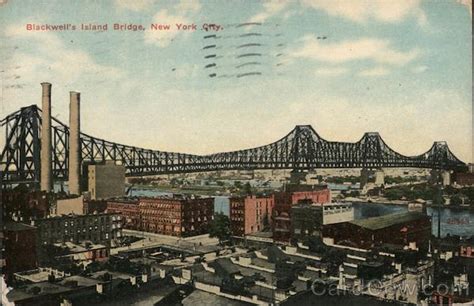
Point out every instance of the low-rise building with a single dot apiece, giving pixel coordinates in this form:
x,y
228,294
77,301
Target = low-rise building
x,y
250,214
20,248
309,219
97,228
69,205
464,179
411,229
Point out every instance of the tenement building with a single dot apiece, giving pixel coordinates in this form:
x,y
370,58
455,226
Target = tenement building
x,y
175,215
97,228
128,208
19,252
250,214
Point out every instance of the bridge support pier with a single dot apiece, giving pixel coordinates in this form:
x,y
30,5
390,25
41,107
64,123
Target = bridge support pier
x,y
377,177
46,181
298,176
440,176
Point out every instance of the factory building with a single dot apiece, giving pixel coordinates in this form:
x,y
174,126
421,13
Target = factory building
x,y
290,196
411,229
309,219
250,214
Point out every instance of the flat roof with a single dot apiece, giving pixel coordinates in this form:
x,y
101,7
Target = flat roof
x,y
385,221
11,226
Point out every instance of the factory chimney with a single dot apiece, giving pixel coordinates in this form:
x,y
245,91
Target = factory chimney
x,y
46,183
74,143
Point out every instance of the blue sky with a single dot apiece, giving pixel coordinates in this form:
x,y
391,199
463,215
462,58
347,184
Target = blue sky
x,y
402,68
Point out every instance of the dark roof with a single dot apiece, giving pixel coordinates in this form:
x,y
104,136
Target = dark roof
x,y
385,221
17,226
309,299
226,265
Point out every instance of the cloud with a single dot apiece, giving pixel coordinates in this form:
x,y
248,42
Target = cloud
x,y
376,71
331,71
363,10
134,5
419,69
188,6
377,50
45,57
359,11
181,13
164,38
53,55
270,8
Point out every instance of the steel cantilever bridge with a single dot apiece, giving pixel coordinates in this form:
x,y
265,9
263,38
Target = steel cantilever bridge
x,y
301,149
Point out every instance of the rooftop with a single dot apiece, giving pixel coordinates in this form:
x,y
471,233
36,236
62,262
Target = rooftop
x,y
11,226
388,220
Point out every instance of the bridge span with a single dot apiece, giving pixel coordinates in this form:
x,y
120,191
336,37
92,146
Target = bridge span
x,y
301,149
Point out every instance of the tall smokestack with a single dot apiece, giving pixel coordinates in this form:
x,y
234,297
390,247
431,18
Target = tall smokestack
x,y
74,143
46,154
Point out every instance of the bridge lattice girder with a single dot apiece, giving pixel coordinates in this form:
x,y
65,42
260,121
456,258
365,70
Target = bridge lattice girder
x,y
301,149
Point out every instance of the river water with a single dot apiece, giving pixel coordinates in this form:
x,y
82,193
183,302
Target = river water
x,y
453,222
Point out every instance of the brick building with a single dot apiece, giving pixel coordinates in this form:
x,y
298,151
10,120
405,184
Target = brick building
x,y
250,214
464,179
291,195
94,206
175,215
97,228
128,208
20,248
22,204
309,219
397,229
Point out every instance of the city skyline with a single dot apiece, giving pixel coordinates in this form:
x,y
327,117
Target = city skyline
x,y
401,63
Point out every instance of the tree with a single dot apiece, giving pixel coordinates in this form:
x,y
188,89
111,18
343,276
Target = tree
x,y
248,188
220,227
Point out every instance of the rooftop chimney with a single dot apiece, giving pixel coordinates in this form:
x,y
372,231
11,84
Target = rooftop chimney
x,y
46,154
74,143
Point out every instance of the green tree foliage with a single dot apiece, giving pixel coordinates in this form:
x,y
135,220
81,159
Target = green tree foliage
x,y
220,227
247,188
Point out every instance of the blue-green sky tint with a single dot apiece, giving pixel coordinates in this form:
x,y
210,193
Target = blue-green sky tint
x,y
402,68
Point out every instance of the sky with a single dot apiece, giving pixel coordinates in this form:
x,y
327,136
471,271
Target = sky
x,y
400,68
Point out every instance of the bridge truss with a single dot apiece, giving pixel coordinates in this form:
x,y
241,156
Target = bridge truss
x,y
301,149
